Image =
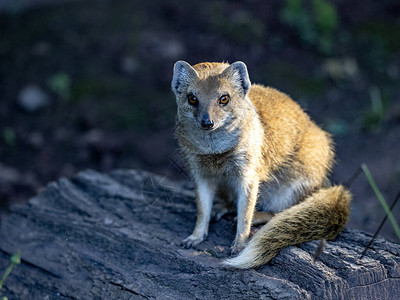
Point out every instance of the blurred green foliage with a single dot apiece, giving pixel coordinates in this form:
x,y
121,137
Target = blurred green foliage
x,y
377,42
316,23
60,84
290,78
9,136
337,127
386,33
241,27
15,260
374,117
381,199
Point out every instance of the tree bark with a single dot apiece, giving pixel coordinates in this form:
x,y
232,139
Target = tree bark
x,y
117,236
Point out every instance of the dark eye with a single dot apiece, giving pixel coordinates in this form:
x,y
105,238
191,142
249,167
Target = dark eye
x,y
224,99
192,99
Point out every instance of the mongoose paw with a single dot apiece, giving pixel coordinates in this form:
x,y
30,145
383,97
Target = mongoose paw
x,y
236,248
192,241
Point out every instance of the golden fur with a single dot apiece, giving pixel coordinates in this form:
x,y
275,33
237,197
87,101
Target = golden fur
x,y
263,148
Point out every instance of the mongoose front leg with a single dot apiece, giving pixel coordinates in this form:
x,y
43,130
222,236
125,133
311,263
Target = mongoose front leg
x,y
204,200
247,197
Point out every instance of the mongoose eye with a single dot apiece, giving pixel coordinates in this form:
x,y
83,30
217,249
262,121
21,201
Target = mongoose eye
x,y
224,99
192,99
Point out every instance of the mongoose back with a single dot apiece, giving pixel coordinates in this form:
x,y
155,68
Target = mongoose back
x,y
256,151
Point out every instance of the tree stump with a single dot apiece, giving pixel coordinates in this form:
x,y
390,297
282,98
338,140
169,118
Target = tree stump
x,y
117,236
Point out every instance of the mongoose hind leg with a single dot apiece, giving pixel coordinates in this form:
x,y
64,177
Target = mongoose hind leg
x,y
261,217
220,209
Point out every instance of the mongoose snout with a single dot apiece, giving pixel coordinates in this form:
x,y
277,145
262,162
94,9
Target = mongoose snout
x,y
206,123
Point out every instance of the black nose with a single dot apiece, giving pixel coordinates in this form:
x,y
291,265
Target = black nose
x,y
206,123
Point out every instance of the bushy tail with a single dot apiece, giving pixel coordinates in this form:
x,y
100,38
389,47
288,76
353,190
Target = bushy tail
x,y
321,215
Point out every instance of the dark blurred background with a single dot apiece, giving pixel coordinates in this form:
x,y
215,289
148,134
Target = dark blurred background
x,y
86,84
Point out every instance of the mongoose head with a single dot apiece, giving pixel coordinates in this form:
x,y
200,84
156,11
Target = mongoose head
x,y
210,96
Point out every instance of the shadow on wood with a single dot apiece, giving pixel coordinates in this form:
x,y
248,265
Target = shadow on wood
x,y
117,236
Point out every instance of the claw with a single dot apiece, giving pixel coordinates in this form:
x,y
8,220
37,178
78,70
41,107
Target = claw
x,y
191,241
237,247
186,244
235,251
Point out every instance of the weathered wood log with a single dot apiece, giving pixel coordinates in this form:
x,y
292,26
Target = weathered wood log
x,y
117,236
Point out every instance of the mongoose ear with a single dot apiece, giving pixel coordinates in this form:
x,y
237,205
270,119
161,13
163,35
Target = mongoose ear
x,y
237,72
183,73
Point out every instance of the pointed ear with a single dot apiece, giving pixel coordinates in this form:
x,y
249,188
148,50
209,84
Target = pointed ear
x,y
237,73
183,74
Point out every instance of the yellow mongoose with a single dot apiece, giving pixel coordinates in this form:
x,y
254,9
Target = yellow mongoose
x,y
248,144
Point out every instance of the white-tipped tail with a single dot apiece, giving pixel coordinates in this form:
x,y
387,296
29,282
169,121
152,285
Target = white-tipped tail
x,y
321,215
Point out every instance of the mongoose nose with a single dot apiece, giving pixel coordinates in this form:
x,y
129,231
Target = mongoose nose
x,y
206,123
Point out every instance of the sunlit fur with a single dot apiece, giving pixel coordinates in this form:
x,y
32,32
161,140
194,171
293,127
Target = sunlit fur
x,y
263,148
